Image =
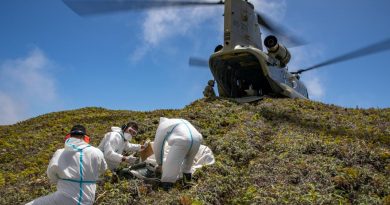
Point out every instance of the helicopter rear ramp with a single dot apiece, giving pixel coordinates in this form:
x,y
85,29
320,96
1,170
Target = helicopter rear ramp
x,y
248,71
248,99
239,74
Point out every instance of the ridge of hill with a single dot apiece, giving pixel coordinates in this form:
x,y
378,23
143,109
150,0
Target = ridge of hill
x,y
276,151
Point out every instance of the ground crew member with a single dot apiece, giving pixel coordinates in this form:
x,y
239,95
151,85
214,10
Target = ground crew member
x,y
75,169
184,140
209,90
117,141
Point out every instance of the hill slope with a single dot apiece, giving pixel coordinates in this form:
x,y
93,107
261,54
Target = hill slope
x,y
277,151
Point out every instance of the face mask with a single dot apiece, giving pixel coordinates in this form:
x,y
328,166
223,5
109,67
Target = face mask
x,y
127,136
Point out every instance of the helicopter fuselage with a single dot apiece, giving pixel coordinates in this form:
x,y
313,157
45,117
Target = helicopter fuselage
x,y
241,67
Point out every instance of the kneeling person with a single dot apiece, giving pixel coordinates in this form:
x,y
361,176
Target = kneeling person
x,y
117,141
184,140
75,169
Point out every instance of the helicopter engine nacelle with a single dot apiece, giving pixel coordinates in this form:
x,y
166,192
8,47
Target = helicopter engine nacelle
x,y
276,50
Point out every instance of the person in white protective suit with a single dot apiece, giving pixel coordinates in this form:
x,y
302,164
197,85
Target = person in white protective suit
x,y
117,141
75,169
184,141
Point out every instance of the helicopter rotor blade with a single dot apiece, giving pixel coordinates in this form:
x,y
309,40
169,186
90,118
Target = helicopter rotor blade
x,y
199,62
290,39
365,51
96,7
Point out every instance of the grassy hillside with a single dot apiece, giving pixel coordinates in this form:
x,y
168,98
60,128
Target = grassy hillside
x,y
277,151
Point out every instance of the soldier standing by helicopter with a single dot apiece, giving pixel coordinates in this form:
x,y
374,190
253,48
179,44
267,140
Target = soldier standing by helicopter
x,y
209,90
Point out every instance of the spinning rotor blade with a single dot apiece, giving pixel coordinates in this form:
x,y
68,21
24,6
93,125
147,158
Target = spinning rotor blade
x,y
368,50
95,7
280,31
199,62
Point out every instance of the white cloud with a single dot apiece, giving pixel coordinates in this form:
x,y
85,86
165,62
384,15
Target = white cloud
x,y
303,57
164,24
25,84
10,110
315,87
274,9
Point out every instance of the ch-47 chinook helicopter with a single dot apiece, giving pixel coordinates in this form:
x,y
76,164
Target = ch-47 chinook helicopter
x,y
241,67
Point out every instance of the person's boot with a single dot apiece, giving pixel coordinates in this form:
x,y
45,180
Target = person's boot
x,y
187,180
166,185
187,177
114,178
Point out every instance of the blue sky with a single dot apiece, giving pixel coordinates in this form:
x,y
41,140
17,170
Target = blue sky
x,y
51,59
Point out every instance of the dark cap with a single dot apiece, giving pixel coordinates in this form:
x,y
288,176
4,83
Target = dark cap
x,y
78,130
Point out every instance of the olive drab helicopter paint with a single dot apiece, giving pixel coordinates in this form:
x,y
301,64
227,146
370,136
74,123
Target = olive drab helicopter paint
x,y
242,68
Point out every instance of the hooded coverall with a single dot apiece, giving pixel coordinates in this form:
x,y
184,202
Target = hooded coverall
x,y
184,140
113,145
75,169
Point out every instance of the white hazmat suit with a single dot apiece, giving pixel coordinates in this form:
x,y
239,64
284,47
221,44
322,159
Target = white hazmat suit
x,y
113,145
184,141
75,169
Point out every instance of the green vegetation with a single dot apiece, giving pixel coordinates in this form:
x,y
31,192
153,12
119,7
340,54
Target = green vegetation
x,y
277,151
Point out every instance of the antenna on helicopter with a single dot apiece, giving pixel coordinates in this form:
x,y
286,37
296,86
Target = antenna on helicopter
x,y
365,51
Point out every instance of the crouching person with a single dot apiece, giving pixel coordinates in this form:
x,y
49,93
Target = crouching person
x,y
117,141
75,169
184,141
